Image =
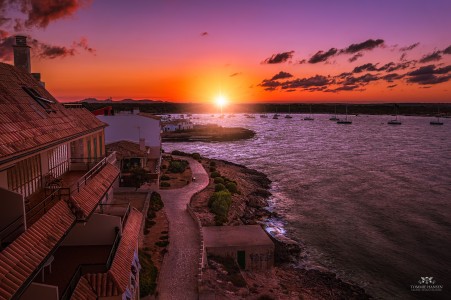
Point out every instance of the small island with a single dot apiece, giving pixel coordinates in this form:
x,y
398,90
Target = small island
x,y
208,133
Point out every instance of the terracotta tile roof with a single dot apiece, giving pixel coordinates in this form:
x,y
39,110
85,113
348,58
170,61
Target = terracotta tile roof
x,y
102,284
25,125
126,149
116,280
84,202
22,257
83,291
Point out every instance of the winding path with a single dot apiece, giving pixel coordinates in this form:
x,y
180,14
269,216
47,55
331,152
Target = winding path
x,y
178,277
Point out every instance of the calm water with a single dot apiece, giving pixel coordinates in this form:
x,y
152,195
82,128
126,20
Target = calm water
x,y
368,201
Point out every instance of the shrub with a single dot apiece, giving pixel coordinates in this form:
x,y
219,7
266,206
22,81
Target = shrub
x,y
177,166
139,176
196,156
231,186
219,180
163,167
165,184
220,220
219,195
165,177
219,187
148,275
212,164
162,243
179,153
219,205
215,174
212,169
155,201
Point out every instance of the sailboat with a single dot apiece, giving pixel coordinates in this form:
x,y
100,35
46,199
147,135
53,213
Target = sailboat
x,y
309,117
276,115
395,121
289,113
438,122
345,120
334,117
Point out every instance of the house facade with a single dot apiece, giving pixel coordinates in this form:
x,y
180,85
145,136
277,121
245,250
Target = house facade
x,y
56,182
177,125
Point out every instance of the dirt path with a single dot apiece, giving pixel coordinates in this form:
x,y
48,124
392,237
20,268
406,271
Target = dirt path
x,y
178,278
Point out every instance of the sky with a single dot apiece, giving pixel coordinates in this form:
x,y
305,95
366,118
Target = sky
x,y
360,51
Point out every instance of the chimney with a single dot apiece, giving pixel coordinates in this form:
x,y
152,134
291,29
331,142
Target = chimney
x,y
22,53
142,144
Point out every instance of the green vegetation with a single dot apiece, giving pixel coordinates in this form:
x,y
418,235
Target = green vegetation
x,y
215,174
231,186
212,164
162,243
155,202
165,184
196,156
148,275
212,169
219,180
177,166
165,177
219,204
219,187
138,176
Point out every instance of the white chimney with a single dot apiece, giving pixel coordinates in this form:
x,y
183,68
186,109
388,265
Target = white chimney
x,y
142,144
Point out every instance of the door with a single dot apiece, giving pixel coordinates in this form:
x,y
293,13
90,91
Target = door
x,y
241,258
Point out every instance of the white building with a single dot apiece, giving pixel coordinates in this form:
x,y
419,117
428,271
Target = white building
x,y
177,125
136,127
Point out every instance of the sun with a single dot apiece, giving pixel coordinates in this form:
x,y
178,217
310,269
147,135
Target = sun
x,y
221,101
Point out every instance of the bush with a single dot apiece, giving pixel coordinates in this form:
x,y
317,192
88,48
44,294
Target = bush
x,y
212,169
163,167
165,184
219,195
220,220
219,205
231,186
162,243
196,156
155,201
212,164
148,275
177,166
219,180
179,153
139,176
165,177
219,187
215,174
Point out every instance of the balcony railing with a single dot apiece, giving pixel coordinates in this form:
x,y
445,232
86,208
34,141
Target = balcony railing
x,y
91,268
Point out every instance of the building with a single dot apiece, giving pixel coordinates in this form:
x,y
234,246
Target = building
x,y
131,155
56,182
134,126
177,125
249,245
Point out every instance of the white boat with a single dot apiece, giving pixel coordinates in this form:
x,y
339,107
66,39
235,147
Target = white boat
x,y
345,120
276,116
309,117
334,117
394,121
437,122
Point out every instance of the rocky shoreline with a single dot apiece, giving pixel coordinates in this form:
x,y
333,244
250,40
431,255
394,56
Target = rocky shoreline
x,y
287,279
208,133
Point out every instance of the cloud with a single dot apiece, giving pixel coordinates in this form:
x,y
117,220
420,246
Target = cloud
x,y
447,50
435,56
235,74
321,56
365,67
317,80
279,58
430,75
51,52
42,12
281,75
204,33
355,57
269,83
6,46
83,44
362,80
408,48
392,77
391,66
392,86
367,45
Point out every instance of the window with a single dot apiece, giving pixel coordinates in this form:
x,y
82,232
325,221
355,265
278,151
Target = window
x,y
59,160
43,102
88,141
24,177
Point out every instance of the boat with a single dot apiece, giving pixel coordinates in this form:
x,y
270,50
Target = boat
x,y
309,117
437,122
289,113
394,121
276,116
264,116
250,117
345,120
334,117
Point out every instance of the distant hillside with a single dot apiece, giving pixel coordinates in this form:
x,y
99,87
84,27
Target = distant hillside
x,y
127,101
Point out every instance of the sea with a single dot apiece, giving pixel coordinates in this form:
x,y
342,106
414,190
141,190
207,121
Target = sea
x,y
368,201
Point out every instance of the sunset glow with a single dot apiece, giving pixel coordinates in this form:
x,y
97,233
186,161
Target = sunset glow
x,y
292,52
